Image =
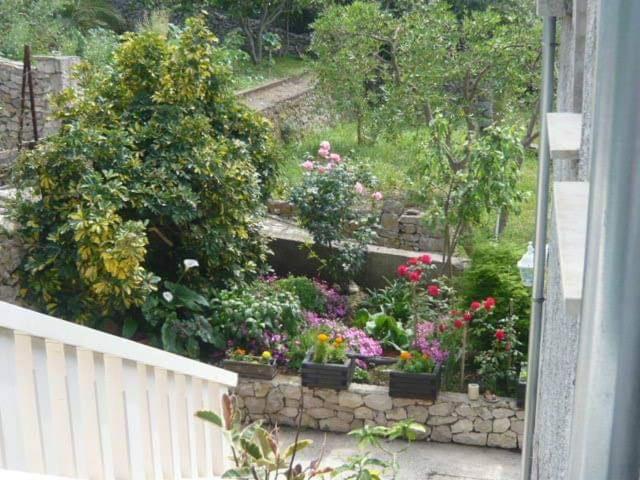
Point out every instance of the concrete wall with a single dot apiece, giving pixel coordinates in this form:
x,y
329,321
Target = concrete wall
x,y
558,359
451,418
50,75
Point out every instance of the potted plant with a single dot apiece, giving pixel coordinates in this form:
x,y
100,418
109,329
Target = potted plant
x,y
416,375
252,366
327,364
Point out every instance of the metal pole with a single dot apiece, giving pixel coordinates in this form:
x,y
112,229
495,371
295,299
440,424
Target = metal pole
x,y
546,104
605,442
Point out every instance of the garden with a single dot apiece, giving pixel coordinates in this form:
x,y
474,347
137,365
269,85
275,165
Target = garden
x,y
142,216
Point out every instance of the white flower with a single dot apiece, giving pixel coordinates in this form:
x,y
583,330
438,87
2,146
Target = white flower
x,y
190,263
168,296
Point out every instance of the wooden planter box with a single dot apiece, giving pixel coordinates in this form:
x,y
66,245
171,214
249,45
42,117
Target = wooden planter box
x,y
424,386
327,375
264,371
521,393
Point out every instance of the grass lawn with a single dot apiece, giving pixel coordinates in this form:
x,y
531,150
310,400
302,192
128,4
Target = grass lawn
x,y
393,160
249,75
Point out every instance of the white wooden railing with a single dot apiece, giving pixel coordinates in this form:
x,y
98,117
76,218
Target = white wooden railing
x,y
76,402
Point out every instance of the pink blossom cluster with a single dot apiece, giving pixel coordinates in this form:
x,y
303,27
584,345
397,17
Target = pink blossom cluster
x,y
357,338
332,160
428,345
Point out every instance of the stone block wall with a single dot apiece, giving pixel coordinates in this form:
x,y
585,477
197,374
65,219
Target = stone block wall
x,y
11,253
50,75
400,227
451,418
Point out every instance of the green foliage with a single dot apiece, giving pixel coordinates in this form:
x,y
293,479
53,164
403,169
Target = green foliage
x,y
155,162
499,364
331,208
396,67
415,362
396,299
385,328
466,176
243,315
494,272
348,40
99,46
306,291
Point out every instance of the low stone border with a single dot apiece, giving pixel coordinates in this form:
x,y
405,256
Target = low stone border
x,y
451,418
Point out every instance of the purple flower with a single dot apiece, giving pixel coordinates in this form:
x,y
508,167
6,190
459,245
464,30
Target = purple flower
x,y
362,343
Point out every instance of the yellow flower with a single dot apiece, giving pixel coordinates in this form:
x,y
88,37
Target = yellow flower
x,y
339,340
240,351
405,355
322,338
266,355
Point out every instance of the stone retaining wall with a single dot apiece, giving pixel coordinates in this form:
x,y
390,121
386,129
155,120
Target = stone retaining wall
x,y
11,252
451,418
50,75
400,226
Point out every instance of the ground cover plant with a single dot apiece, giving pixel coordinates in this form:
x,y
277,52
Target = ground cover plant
x,y
155,163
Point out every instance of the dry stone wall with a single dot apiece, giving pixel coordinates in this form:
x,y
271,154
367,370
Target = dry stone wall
x,y
11,252
50,75
451,418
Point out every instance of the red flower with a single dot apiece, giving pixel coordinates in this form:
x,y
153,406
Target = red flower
x,y
458,323
468,316
442,327
500,335
426,259
433,290
476,306
489,303
412,261
403,270
415,276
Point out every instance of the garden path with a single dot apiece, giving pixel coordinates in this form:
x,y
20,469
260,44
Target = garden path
x,y
422,460
270,94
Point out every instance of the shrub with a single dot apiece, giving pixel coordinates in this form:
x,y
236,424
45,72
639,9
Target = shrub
x,y
305,289
249,316
155,162
494,272
330,206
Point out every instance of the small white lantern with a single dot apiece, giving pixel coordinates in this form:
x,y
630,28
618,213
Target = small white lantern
x,y
525,265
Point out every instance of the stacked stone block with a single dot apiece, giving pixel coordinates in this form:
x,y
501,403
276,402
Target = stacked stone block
x,y
451,418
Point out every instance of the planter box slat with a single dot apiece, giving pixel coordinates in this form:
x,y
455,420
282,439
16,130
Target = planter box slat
x,y
414,385
263,371
337,377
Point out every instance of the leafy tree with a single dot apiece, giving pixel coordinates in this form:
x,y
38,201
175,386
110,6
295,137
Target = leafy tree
x,y
466,176
348,41
155,162
256,16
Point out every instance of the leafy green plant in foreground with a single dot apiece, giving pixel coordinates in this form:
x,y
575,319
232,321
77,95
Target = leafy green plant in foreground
x,y
257,454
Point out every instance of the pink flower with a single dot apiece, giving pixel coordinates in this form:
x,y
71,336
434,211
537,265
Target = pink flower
x,y
377,196
359,188
433,290
403,270
325,145
323,153
334,157
426,259
308,165
330,166
322,169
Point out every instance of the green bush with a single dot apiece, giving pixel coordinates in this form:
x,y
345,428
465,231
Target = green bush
x,y
494,273
306,291
155,162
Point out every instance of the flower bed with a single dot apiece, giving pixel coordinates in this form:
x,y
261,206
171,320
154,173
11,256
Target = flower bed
x,y
452,417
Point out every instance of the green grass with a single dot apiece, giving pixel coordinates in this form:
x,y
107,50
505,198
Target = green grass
x,y
250,75
392,161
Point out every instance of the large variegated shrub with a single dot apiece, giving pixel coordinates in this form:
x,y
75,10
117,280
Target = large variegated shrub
x,y
155,162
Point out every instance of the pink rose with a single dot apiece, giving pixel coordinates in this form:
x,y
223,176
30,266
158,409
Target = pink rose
x,y
334,157
323,153
324,145
377,196
308,165
359,188
322,169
